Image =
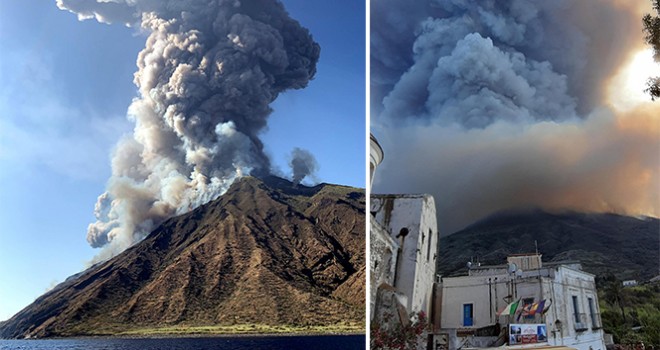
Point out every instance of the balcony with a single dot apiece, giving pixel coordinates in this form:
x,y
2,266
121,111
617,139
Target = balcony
x,y
580,321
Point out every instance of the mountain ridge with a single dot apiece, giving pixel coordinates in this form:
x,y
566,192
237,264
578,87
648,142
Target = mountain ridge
x,y
605,243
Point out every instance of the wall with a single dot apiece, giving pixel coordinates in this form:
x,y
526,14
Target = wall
x,y
526,262
559,283
382,260
569,282
486,293
414,214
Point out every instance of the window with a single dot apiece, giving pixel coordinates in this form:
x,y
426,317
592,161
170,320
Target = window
x,y
468,315
576,309
580,319
420,251
428,247
592,313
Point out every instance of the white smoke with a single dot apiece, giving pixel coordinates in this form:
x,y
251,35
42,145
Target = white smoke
x,y
206,77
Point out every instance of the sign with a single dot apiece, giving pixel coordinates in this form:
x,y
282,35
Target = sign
x,y
527,334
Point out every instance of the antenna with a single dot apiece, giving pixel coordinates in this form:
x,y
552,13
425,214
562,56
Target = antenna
x,y
536,245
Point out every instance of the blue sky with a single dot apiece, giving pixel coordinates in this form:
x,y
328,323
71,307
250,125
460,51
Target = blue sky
x,y
65,89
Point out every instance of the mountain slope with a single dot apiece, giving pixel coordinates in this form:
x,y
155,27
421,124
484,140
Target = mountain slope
x,y
265,252
626,246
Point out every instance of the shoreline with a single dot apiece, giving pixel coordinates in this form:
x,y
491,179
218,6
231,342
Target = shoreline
x,y
193,335
218,331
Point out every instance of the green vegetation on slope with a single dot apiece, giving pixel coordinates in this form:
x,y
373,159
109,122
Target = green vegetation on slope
x,y
630,314
340,328
120,330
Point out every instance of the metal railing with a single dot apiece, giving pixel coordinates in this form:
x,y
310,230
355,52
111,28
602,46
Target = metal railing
x,y
580,321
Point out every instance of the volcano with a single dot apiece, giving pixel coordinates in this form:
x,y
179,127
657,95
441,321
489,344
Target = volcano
x,y
267,252
604,243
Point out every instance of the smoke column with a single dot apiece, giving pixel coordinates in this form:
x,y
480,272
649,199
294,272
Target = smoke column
x,y
206,77
493,105
302,164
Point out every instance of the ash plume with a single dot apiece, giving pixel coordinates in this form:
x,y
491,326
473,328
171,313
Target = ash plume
x,y
493,105
302,164
206,77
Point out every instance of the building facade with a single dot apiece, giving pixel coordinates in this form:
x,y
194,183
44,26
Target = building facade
x,y
384,251
403,244
470,305
382,261
410,221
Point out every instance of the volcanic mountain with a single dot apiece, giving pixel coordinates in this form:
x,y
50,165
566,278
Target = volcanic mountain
x,y
266,252
604,243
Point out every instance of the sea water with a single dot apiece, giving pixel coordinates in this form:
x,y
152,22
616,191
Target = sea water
x,y
334,342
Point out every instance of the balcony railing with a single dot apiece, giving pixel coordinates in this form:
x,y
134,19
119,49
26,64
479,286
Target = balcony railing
x,y
580,322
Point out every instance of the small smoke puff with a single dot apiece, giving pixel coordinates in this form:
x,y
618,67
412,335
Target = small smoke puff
x,y
225,129
302,164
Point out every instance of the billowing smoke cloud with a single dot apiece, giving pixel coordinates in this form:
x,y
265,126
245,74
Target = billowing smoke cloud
x,y
493,105
302,164
206,77
603,164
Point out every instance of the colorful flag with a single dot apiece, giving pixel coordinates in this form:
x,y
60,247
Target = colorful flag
x,y
510,309
546,307
537,307
524,311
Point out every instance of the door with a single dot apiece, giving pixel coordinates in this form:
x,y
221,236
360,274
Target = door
x,y
467,315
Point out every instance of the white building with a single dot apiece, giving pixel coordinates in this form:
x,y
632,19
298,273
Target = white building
x,y
403,245
629,283
470,304
411,222
384,249
375,157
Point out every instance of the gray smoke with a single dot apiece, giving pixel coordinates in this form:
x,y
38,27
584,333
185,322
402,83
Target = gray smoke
x,y
302,164
206,77
558,49
489,105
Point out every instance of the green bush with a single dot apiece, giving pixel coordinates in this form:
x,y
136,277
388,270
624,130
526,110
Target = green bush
x,y
631,314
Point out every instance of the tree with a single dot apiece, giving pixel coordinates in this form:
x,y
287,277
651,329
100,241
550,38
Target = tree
x,y
652,37
615,296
